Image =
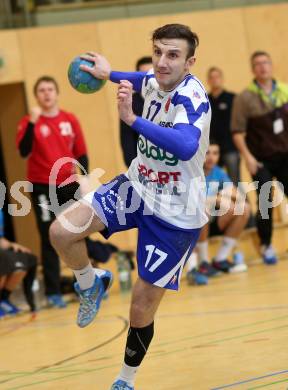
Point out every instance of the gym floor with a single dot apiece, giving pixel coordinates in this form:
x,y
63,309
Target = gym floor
x,y
232,333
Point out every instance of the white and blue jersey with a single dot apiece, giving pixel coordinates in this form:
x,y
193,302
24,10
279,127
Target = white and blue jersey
x,y
163,192
173,188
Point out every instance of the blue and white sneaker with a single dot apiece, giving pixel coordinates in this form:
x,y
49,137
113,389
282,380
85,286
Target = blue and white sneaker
x,y
121,385
9,308
91,298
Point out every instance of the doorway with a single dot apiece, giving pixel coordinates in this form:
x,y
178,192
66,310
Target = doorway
x,y
12,108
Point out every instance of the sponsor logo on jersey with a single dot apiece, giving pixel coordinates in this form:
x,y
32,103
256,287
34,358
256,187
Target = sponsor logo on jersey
x,y
167,105
196,95
156,153
158,177
149,91
45,131
161,183
166,124
111,202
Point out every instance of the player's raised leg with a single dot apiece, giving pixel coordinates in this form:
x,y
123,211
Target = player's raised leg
x,y
67,234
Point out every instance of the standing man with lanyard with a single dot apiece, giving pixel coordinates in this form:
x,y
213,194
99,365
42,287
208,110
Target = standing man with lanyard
x,y
260,132
44,136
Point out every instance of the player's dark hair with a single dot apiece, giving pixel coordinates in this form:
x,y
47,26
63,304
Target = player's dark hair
x,y
214,69
259,53
47,79
143,61
177,31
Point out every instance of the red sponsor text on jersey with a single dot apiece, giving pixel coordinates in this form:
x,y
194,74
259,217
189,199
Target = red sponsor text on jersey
x,y
158,177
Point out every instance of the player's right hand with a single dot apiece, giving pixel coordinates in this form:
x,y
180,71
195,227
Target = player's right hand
x,y
101,68
35,114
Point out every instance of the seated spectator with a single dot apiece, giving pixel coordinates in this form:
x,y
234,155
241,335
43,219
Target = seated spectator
x,y
17,264
222,199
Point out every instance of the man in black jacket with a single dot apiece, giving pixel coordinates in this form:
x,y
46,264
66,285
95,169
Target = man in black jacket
x,y
221,104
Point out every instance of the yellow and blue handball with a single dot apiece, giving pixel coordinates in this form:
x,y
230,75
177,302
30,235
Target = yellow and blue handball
x,y
83,81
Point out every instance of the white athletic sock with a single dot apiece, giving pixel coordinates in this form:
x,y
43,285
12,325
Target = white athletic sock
x,y
192,262
86,276
202,248
225,249
127,374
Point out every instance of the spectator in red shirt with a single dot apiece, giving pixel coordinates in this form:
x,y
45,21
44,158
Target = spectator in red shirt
x,y
44,136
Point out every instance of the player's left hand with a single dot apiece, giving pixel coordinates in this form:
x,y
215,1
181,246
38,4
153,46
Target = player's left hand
x,y
124,97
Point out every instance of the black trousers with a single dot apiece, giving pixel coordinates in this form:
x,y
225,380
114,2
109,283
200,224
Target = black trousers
x,y
11,261
44,218
276,167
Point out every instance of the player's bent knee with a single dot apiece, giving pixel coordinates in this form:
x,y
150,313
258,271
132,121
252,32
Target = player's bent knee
x,y
59,236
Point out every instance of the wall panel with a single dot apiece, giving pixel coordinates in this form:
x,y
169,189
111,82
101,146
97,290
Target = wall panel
x,y
12,71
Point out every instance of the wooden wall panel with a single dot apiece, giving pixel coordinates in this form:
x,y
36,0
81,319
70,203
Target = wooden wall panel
x,y
222,44
267,29
12,71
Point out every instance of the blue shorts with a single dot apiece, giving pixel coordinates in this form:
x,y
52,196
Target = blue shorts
x,y
162,249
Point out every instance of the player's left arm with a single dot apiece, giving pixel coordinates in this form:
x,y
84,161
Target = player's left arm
x,y
135,78
182,139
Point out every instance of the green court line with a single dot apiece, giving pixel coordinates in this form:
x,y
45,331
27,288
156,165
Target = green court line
x,y
59,378
223,330
81,372
73,357
268,384
225,339
27,374
246,334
